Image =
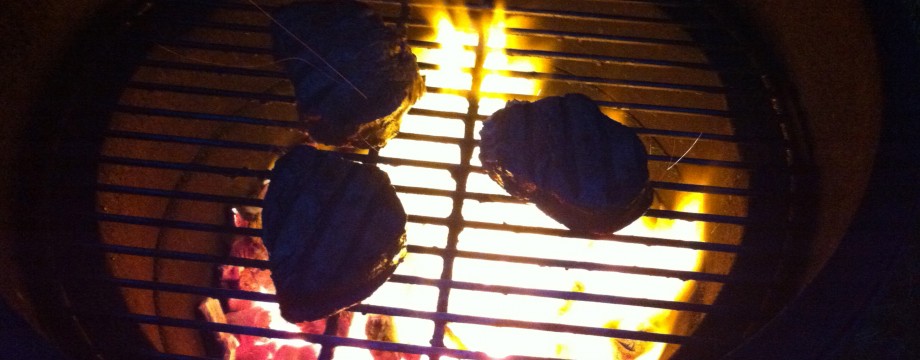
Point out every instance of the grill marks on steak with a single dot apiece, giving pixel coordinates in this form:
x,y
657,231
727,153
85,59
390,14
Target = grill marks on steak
x,y
576,164
357,78
335,231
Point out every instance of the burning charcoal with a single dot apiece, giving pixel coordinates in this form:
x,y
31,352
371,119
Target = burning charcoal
x,y
353,77
248,247
313,327
288,352
382,328
254,317
211,310
343,322
334,229
254,348
563,154
234,304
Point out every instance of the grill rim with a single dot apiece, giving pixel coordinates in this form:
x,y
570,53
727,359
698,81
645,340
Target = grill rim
x,y
97,136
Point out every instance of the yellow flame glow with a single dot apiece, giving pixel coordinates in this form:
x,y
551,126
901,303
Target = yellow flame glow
x,y
454,58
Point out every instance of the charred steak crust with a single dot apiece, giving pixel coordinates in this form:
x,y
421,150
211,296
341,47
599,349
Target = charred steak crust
x,y
334,229
577,165
352,39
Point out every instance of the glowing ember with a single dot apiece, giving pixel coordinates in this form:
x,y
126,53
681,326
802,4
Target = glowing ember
x,y
506,341
453,59
268,314
257,313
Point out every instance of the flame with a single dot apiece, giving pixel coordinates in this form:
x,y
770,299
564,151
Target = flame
x,y
454,58
278,323
500,342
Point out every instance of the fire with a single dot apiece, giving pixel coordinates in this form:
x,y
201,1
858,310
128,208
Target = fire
x,y
256,313
499,342
454,59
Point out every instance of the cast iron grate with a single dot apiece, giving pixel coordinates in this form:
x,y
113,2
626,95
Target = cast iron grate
x,y
197,124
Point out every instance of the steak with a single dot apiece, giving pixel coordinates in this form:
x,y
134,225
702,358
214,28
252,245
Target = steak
x,y
334,229
353,76
577,165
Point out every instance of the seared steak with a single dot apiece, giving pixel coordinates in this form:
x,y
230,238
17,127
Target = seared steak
x,y
334,229
353,76
576,164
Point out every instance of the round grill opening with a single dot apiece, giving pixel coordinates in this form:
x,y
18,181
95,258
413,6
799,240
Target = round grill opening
x,y
206,110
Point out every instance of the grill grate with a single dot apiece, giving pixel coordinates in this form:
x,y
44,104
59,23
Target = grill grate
x,y
196,127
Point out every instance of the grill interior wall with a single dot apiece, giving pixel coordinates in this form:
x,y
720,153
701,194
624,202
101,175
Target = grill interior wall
x,y
647,68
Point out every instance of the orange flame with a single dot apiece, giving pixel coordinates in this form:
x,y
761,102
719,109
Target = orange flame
x,y
454,59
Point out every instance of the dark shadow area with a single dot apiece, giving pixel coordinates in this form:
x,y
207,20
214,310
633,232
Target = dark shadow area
x,y
57,195
774,237
823,320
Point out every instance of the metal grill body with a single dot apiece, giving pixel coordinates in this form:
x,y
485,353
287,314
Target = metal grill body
x,y
206,111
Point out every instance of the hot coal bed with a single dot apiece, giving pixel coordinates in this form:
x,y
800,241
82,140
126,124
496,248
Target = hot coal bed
x,y
191,133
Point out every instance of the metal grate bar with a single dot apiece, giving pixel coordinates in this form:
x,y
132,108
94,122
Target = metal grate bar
x,y
567,295
566,78
416,280
651,85
176,224
421,23
220,293
197,90
634,84
219,170
140,110
476,8
636,107
442,114
621,60
569,264
542,54
696,245
705,136
419,137
192,141
159,355
670,109
553,327
583,16
669,159
677,215
212,68
179,255
326,340
427,315
704,162
668,3
229,171
175,194
439,221
246,6
137,220
209,46
704,189
431,138
621,39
